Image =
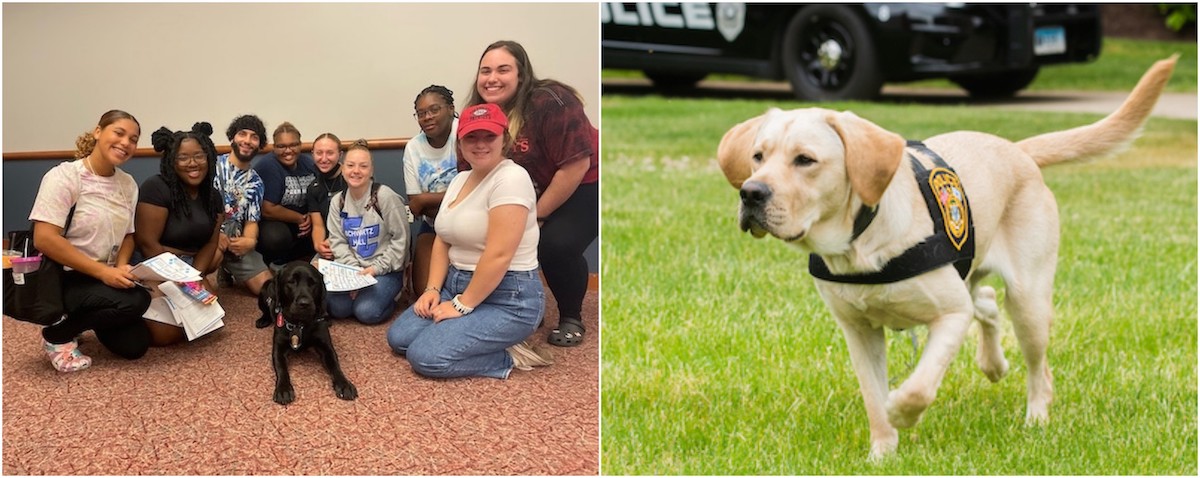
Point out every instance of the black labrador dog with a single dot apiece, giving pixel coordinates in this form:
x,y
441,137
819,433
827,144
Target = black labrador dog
x,y
294,300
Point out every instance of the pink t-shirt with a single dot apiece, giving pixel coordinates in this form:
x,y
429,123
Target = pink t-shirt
x,y
103,211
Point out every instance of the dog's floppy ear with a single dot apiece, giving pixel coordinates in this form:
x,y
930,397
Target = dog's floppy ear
x,y
735,153
270,290
320,299
872,154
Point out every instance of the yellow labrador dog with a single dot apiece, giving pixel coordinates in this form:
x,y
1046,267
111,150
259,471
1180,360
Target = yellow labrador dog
x,y
870,208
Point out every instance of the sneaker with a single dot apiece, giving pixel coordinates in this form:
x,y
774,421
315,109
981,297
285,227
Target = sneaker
x,y
66,357
526,357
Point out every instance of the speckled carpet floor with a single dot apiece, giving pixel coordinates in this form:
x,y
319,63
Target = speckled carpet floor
x,y
205,408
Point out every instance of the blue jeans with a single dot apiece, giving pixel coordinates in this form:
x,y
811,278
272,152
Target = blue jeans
x,y
373,304
473,344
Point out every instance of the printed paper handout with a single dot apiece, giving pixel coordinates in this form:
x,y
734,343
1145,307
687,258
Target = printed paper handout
x,y
176,308
184,301
343,277
165,267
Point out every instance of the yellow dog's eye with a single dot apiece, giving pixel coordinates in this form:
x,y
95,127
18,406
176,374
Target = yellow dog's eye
x,y
803,160
758,157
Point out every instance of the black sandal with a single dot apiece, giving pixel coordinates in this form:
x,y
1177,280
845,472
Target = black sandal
x,y
568,334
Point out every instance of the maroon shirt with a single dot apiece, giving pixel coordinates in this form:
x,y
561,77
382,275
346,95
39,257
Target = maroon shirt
x,y
555,129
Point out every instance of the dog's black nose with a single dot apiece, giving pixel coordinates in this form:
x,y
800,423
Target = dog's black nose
x,y
755,193
304,301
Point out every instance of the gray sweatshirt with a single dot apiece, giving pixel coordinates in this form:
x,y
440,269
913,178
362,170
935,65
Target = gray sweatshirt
x,y
360,237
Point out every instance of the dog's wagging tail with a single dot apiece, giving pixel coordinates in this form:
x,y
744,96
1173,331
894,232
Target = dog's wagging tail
x,y
856,197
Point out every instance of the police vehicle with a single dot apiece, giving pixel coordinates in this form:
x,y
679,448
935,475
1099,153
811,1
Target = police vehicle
x,y
848,51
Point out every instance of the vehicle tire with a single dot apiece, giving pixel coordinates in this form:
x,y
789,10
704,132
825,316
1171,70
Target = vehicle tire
x,y
828,55
674,81
996,85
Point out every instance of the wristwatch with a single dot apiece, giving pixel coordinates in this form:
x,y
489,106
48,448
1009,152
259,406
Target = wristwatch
x,y
458,305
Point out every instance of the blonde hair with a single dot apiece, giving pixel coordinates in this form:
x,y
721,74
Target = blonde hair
x,y
86,142
330,136
359,144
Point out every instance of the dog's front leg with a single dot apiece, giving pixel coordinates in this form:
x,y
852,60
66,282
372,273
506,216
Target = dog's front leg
x,y
868,354
284,393
906,403
341,385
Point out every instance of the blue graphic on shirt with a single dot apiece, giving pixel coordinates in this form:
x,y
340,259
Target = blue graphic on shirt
x,y
435,178
364,240
242,193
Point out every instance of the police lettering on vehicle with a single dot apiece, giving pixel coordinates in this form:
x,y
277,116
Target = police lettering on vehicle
x,y
729,18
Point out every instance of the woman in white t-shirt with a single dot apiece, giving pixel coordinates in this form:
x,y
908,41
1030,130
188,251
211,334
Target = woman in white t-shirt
x,y
484,295
429,165
98,291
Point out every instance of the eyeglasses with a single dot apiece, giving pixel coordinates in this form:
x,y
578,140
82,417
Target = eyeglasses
x,y
282,147
197,158
429,113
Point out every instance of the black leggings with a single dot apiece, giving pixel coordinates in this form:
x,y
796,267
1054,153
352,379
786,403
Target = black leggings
x,y
279,244
565,235
114,314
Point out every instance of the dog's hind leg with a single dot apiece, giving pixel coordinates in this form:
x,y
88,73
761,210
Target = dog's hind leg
x,y
1029,294
908,402
990,355
868,355
1029,303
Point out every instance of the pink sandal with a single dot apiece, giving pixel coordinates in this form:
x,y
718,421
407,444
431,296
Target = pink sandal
x,y
66,357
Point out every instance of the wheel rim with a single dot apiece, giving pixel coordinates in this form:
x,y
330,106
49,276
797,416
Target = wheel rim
x,y
826,54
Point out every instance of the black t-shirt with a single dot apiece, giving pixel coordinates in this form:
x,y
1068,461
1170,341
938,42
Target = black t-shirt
x,y
180,232
322,189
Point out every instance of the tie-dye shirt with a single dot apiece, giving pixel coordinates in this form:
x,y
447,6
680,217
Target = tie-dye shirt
x,y
104,207
428,169
241,192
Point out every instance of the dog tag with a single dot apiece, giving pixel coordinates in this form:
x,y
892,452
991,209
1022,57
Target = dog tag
x,y
295,342
279,320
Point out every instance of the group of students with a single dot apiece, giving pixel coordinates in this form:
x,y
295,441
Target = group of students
x,y
502,190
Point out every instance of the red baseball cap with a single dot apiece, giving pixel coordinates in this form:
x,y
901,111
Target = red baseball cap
x,y
487,116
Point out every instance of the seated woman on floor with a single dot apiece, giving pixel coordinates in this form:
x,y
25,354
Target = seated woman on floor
x,y
286,173
179,211
368,228
327,154
484,297
98,291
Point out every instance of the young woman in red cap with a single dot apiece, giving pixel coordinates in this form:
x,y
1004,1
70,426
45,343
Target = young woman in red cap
x,y
483,296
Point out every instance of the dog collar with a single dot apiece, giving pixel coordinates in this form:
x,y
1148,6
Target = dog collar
x,y
952,241
863,220
296,329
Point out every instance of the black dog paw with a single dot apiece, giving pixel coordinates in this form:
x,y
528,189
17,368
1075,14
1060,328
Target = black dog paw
x,y
284,396
345,390
262,322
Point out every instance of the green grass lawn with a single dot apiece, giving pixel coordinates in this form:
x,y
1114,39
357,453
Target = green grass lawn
x,y
718,356
1121,63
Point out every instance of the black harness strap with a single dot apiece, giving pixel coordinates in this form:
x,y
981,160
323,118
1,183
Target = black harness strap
x,y
952,241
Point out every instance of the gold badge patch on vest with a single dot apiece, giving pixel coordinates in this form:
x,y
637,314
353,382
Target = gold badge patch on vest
x,y
953,204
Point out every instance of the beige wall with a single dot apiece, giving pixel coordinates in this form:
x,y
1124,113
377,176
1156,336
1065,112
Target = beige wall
x,y
352,69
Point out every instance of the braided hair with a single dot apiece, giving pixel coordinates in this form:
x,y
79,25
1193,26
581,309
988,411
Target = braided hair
x,y
167,143
439,90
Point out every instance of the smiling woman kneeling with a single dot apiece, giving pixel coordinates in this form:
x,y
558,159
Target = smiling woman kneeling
x,y
484,296
179,211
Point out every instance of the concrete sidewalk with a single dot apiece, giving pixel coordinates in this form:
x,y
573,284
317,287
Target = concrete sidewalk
x,y
1170,105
